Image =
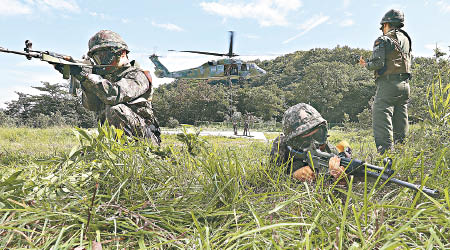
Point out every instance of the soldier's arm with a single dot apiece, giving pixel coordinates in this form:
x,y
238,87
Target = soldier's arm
x,y
278,152
90,101
378,58
131,86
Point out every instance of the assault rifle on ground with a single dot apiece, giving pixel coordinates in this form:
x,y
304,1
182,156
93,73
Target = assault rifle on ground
x,y
319,159
68,64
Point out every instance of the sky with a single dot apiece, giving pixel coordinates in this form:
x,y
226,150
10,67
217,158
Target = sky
x,y
263,29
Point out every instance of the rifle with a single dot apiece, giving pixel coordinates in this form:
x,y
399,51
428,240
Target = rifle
x,y
67,62
319,159
354,58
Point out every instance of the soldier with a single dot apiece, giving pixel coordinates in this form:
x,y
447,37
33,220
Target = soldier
x,y
303,127
122,92
391,61
235,118
246,125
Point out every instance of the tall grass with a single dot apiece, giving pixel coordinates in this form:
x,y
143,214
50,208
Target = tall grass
x,y
219,194
438,96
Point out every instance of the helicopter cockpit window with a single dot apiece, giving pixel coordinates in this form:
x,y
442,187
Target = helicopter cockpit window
x,y
211,63
244,67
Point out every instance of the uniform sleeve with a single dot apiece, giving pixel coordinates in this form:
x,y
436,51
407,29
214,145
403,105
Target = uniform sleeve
x,y
278,152
91,102
133,85
378,58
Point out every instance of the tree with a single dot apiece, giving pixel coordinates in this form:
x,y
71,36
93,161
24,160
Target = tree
x,y
53,103
264,101
335,89
189,102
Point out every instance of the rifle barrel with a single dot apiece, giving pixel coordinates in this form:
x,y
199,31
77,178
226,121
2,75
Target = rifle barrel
x,y
428,191
18,52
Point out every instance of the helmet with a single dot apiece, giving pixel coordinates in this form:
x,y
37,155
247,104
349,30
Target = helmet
x,y
395,17
301,119
106,39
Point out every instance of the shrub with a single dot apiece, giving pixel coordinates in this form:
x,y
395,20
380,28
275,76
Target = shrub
x,y
172,123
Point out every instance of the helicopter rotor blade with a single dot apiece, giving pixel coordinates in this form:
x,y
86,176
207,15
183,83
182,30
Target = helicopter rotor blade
x,y
230,50
200,52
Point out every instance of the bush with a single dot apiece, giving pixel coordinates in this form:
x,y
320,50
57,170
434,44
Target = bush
x,y
172,123
6,120
365,118
40,121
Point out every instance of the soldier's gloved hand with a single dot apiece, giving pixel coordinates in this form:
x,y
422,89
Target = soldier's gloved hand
x,y
304,174
335,168
59,67
80,72
344,149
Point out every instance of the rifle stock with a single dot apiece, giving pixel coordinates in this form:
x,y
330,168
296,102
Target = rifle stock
x,y
319,159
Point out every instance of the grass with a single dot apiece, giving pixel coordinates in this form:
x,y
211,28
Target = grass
x,y
61,190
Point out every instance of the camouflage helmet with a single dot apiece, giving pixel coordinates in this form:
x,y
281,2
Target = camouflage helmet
x,y
300,119
395,17
106,39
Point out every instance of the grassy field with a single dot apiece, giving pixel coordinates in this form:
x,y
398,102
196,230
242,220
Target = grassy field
x,y
61,189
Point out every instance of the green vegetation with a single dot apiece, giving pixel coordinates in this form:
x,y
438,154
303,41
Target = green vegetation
x,y
328,79
62,188
52,107
210,193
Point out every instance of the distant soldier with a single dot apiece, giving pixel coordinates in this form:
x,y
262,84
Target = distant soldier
x,y
246,125
391,61
235,119
304,127
121,93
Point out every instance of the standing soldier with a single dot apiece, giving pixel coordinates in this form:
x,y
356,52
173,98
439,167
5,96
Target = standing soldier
x,y
391,61
121,92
235,118
235,127
246,125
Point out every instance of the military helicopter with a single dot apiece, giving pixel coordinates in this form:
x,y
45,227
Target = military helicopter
x,y
227,68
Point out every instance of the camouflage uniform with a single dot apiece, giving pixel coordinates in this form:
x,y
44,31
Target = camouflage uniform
x,y
235,118
121,95
246,126
391,61
298,120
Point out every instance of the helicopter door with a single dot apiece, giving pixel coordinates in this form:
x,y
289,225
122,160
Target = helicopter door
x,y
234,69
227,70
231,69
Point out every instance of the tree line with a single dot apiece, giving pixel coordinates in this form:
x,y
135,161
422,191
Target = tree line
x,y
54,106
328,79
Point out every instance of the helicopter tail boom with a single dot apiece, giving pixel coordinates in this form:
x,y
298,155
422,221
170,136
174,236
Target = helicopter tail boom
x,y
161,70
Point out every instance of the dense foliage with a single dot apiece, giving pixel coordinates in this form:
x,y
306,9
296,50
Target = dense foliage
x,y
52,107
328,79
